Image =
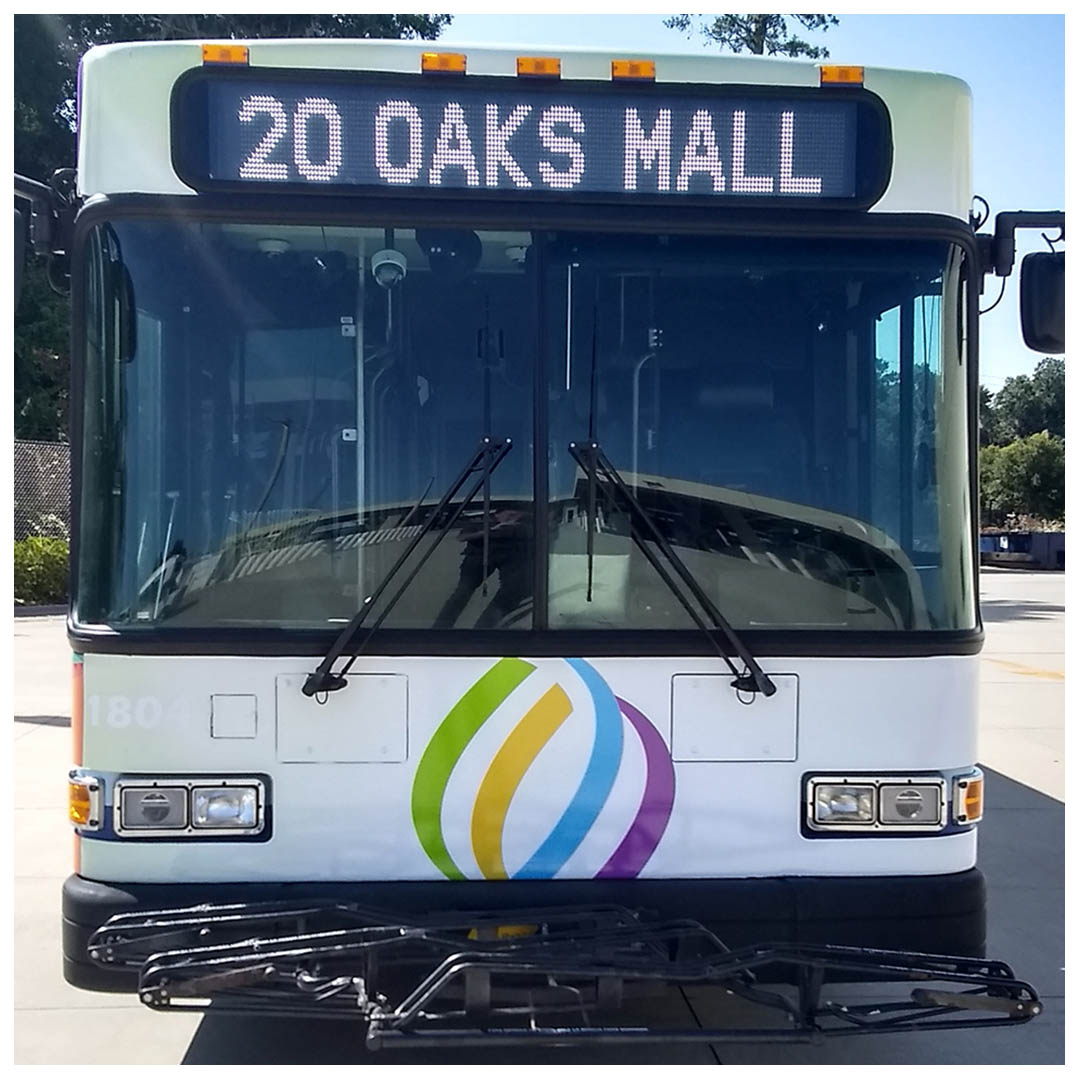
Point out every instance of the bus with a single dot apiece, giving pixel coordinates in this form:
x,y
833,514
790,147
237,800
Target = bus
x,y
524,546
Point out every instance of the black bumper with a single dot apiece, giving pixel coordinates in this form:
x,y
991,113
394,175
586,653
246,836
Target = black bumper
x,y
934,914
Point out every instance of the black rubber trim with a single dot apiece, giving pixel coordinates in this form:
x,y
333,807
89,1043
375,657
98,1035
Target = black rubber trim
x,y
277,642
936,913
385,210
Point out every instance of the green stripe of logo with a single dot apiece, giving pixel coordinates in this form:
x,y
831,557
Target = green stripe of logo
x,y
448,744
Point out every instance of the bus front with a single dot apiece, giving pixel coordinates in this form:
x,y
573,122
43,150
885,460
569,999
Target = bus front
x,y
521,483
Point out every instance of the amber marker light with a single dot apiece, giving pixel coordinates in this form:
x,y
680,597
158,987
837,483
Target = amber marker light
x,y
452,63
224,54
543,67
841,75
968,798
84,801
633,69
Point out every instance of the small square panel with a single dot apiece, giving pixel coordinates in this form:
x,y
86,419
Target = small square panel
x,y
233,716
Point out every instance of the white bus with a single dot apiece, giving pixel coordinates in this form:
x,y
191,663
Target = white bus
x,y
525,537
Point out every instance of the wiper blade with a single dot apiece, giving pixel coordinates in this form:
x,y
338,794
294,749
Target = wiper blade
x,y
485,460
600,473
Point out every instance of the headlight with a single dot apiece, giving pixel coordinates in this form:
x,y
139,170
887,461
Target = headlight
x,y
910,804
224,807
843,804
153,807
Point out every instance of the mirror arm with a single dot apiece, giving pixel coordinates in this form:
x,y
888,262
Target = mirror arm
x,y
1001,248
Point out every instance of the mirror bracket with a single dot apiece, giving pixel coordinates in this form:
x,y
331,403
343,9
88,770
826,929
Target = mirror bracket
x,y
1002,247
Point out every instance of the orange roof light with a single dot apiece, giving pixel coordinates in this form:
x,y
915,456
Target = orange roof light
x,y
450,62
539,66
633,69
841,75
224,54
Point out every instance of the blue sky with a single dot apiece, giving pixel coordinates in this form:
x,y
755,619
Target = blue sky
x,y
1014,64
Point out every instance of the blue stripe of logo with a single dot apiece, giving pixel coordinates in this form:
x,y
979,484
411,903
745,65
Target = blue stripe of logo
x,y
565,838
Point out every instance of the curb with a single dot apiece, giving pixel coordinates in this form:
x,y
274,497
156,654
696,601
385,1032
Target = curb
x,y
29,611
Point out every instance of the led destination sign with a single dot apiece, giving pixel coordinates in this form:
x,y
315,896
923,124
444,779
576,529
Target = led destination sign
x,y
526,138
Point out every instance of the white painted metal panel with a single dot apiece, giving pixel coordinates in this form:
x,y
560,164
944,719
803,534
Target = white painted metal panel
x,y
364,722
355,821
125,124
710,723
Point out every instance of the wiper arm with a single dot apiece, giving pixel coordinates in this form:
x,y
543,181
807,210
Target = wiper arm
x,y
596,466
485,460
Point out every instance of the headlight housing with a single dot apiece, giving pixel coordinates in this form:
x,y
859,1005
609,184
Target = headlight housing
x,y
875,803
181,808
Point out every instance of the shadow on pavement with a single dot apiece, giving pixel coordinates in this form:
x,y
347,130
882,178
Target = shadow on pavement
x,y
1013,610
1021,851
47,721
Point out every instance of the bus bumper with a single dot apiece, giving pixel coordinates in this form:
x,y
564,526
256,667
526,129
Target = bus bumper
x,y
943,914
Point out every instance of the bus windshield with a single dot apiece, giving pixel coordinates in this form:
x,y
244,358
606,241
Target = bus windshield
x,y
272,412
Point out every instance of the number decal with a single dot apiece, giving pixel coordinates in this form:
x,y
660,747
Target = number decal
x,y
117,710
147,712
257,167
121,711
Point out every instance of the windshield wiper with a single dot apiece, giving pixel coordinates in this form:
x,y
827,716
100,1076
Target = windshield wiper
x,y
485,460
601,475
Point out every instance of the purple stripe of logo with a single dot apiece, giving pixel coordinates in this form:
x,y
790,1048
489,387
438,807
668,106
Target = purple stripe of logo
x,y
640,841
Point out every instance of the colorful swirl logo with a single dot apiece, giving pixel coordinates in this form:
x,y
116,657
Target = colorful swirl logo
x,y
512,761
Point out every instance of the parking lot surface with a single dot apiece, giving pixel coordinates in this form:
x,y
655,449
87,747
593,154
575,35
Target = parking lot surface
x,y
1021,851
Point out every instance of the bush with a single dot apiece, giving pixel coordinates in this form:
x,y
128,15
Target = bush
x,y
41,570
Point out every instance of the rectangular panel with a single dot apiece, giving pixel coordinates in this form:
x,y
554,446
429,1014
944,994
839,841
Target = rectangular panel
x,y
710,723
364,722
496,136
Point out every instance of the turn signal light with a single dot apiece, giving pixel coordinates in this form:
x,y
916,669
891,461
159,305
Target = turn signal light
x,y
224,54
451,62
968,798
84,801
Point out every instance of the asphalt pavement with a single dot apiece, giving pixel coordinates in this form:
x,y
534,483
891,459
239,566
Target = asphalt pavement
x,y
1021,850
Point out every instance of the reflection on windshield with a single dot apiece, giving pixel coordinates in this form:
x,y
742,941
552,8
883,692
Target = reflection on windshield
x,y
794,421
298,401
274,419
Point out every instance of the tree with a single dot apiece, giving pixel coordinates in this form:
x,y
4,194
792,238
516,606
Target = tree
x,y
47,49
1024,478
41,359
1026,405
759,34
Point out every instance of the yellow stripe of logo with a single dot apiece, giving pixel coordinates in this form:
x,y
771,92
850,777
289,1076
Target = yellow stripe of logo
x,y
505,774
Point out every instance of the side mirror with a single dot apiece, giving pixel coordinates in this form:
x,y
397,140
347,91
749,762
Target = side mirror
x,y
20,252
1042,301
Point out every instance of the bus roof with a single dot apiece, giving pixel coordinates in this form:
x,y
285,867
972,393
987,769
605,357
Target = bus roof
x,y
124,139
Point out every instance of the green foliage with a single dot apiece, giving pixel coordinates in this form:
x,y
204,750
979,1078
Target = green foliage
x,y
41,359
41,570
764,35
1023,478
1029,404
